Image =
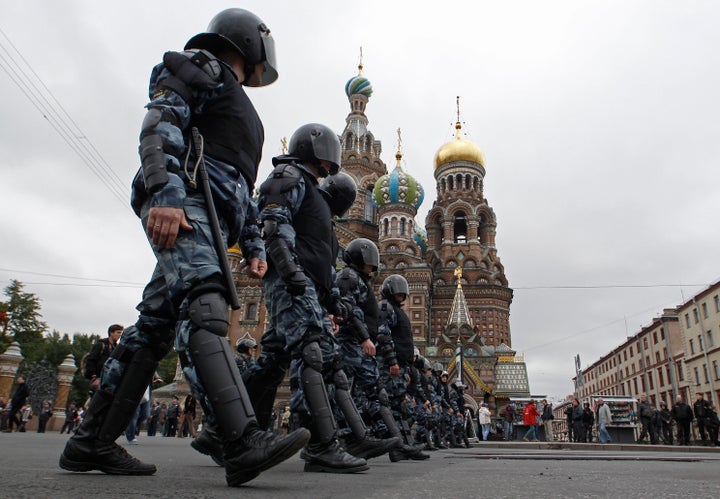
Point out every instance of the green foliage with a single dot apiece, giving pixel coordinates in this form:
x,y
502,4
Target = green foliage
x,y
23,322
167,366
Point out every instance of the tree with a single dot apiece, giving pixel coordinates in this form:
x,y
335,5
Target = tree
x,y
23,322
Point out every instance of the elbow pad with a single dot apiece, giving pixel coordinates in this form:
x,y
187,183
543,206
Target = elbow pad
x,y
151,152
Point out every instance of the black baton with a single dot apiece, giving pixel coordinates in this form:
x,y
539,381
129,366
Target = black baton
x,y
220,246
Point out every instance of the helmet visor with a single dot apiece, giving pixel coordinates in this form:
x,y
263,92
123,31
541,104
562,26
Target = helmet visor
x,y
269,63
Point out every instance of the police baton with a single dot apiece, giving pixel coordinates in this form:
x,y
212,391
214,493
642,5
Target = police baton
x,y
220,246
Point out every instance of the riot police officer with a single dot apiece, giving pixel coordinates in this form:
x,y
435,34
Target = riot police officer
x,y
302,248
199,89
245,359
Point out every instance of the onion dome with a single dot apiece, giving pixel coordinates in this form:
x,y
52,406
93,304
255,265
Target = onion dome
x,y
398,186
459,149
358,85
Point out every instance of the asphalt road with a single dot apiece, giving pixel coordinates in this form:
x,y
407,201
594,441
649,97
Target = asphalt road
x,y
28,468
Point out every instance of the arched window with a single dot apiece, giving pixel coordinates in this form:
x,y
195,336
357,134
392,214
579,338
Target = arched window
x,y
458,181
386,227
450,182
402,226
460,227
251,311
467,181
369,206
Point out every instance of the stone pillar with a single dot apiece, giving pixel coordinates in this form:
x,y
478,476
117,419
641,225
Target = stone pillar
x,y
9,363
65,374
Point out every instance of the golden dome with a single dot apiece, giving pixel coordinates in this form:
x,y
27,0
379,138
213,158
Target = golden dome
x,y
459,149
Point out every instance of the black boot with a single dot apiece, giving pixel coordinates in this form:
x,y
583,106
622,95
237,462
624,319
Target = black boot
x,y
369,447
330,458
258,450
86,451
208,442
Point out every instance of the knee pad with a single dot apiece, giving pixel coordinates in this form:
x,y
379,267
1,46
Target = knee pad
x,y
312,356
340,380
208,310
383,397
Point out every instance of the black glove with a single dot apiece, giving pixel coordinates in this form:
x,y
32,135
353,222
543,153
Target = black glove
x,y
340,309
295,282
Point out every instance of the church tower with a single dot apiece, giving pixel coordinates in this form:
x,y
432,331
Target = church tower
x,y
360,159
461,250
401,241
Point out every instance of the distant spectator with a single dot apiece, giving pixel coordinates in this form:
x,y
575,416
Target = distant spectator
x,y
16,404
70,415
588,420
713,425
101,350
577,421
44,417
154,418
508,416
547,420
484,420
188,417
666,424
530,415
26,416
683,416
701,408
603,419
173,413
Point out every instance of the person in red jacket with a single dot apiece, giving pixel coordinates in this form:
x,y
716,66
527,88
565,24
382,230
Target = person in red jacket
x,y
530,415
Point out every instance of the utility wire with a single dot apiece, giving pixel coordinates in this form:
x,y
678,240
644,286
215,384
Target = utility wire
x,y
73,136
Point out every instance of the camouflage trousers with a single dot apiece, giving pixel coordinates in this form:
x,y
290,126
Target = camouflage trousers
x,y
179,269
294,319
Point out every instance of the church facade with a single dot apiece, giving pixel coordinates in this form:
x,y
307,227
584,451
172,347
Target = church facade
x,y
459,303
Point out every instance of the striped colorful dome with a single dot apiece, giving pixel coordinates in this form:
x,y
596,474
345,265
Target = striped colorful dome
x,y
358,85
420,237
398,187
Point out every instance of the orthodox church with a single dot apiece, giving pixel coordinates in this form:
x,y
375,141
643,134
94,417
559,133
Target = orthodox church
x,y
459,302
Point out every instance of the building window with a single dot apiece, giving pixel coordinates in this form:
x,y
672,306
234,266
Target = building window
x,y
657,357
625,355
697,376
704,310
716,298
687,320
645,343
631,351
460,227
701,343
706,373
369,206
696,316
654,337
251,311
650,380
681,376
692,347
661,381
711,341
715,370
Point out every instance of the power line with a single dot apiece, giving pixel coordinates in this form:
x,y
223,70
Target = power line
x,y
610,286
71,133
68,277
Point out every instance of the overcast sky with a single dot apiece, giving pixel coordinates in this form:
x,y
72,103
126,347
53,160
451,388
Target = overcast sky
x,y
598,121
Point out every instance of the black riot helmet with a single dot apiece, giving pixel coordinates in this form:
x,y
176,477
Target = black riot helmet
x,y
241,31
244,345
313,142
393,285
362,252
339,191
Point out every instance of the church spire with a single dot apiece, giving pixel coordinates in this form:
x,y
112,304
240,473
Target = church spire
x,y
459,312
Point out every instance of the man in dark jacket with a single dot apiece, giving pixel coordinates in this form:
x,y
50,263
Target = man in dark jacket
x,y
100,352
577,421
683,416
645,415
666,424
16,403
701,409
